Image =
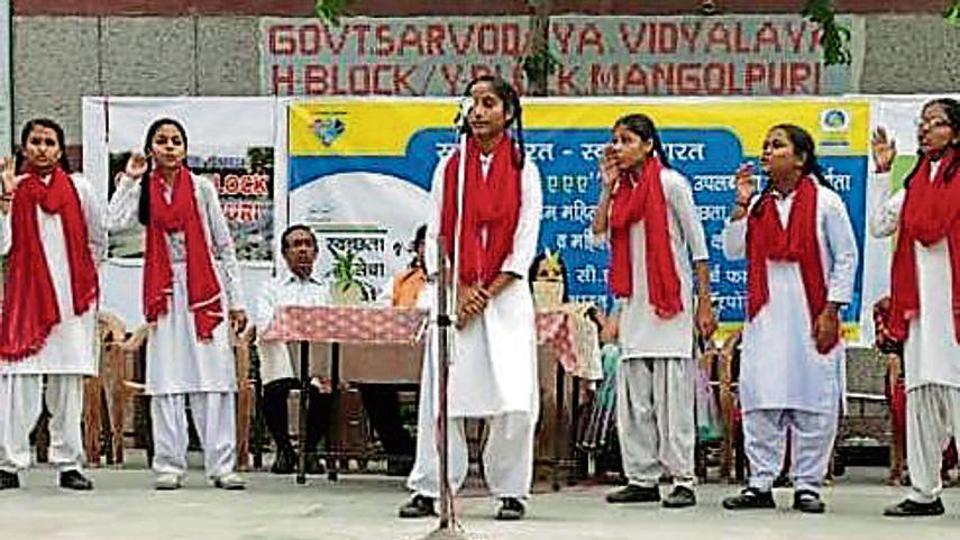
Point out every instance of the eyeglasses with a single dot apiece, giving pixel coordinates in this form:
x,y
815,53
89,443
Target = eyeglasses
x,y
932,123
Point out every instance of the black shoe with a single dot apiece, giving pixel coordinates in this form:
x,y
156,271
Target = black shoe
x,y
908,508
399,466
9,480
285,462
511,509
632,493
418,507
315,465
750,498
783,482
75,481
808,502
680,497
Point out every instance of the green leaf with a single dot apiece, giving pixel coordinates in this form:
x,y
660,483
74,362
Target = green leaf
x,y
834,37
952,15
330,10
540,64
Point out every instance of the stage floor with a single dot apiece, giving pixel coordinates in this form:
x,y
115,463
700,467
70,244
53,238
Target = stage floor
x,y
123,507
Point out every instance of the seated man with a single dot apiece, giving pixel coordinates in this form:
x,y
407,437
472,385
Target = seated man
x,y
297,286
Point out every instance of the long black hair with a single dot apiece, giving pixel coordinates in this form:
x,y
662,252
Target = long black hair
x,y
952,108
143,208
19,158
511,107
642,126
803,144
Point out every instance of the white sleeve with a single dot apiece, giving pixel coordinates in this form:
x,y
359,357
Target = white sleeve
x,y
6,232
223,247
885,208
433,218
735,239
93,213
843,248
123,206
528,227
680,198
263,313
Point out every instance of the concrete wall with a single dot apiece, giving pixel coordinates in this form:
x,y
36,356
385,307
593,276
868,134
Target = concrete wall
x,y
448,7
59,59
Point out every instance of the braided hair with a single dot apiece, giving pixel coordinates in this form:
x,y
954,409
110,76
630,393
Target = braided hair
x,y
511,107
143,207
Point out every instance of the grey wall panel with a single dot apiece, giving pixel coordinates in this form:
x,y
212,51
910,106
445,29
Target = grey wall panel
x,y
228,59
55,64
910,54
149,56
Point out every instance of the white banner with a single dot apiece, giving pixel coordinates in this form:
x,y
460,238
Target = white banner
x,y
232,141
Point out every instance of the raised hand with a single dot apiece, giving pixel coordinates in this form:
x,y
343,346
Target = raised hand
x,y
136,165
884,150
9,173
609,170
745,184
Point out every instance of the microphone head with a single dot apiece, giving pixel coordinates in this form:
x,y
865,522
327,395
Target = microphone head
x,y
464,106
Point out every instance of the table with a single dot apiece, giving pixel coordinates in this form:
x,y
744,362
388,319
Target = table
x,y
374,325
337,325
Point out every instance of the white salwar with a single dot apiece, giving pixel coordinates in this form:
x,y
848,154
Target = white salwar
x,y
784,381
656,379
493,371
178,364
931,353
68,354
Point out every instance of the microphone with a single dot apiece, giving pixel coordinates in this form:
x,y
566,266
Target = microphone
x,y
464,106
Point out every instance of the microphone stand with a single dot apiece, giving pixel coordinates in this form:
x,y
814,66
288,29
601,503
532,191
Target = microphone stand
x,y
447,280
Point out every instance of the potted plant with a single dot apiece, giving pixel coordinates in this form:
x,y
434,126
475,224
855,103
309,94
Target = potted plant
x,y
347,288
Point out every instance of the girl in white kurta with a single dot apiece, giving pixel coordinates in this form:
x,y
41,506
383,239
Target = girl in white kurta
x,y
51,270
493,369
925,283
188,345
654,232
802,260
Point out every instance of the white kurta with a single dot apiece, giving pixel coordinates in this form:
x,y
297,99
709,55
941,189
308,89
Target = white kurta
x,y
177,363
70,348
642,333
931,354
781,368
494,368
288,290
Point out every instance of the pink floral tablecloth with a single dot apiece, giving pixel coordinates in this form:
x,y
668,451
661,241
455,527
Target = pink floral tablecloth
x,y
385,325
